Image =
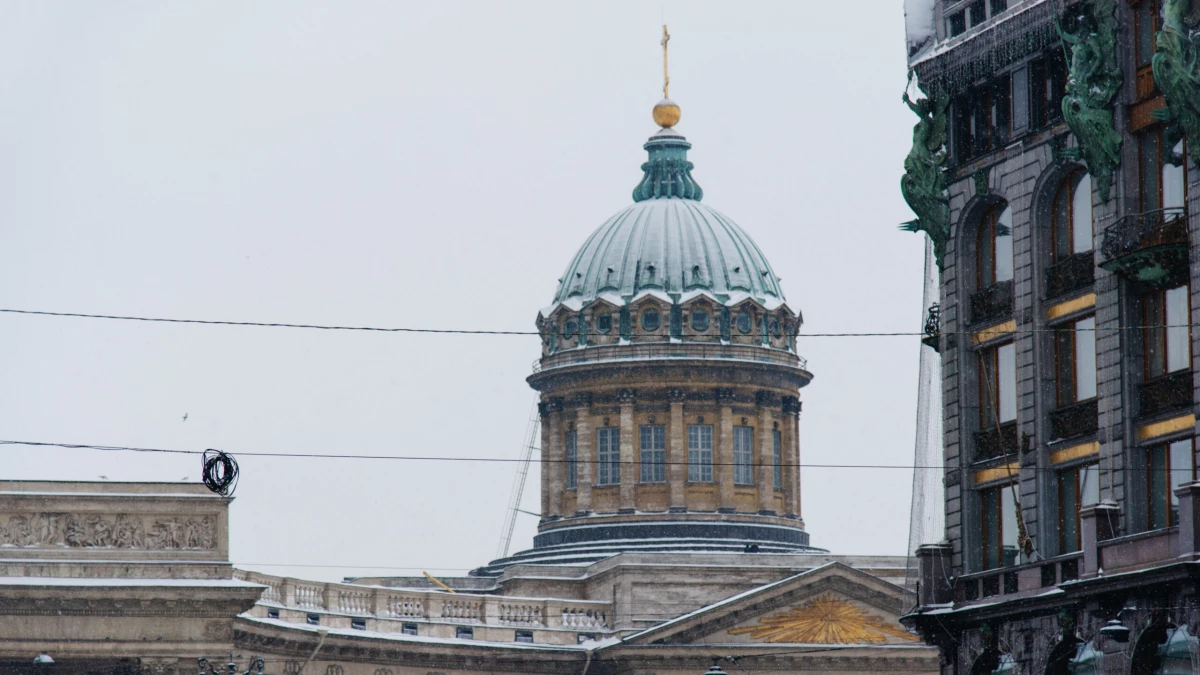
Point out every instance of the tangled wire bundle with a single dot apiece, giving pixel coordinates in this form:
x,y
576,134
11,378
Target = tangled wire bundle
x,y
220,472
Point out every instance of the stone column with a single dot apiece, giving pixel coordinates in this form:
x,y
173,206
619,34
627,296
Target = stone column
x,y
766,453
547,466
723,454
629,464
555,452
791,455
584,453
934,572
677,453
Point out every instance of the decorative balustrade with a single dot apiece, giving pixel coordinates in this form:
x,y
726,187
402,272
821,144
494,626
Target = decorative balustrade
x,y
408,605
669,351
521,615
1072,273
991,443
1167,392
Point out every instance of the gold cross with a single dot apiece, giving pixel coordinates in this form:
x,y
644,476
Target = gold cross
x,y
666,78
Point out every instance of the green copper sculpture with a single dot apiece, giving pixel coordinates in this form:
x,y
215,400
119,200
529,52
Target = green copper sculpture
x,y
924,182
1092,85
1176,66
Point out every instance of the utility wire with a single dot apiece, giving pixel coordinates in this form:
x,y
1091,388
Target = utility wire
x,y
427,458
449,331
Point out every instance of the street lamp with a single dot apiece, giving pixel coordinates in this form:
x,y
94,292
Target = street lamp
x,y
715,669
42,663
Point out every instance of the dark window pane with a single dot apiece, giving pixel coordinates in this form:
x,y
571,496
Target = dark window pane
x,y
1064,362
1056,85
999,6
1144,28
1156,489
1153,334
958,24
1060,222
1038,94
1148,169
1001,112
977,12
1068,511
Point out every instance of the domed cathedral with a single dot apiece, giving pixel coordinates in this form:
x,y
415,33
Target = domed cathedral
x,y
669,383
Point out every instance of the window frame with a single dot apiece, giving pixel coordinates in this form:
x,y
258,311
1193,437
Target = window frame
x,y
608,456
1162,506
992,528
653,455
991,403
777,458
700,458
987,235
1069,340
743,455
1157,329
1070,533
571,459
1063,209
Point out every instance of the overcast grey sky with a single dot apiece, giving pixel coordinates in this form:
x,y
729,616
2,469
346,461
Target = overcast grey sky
x,y
426,164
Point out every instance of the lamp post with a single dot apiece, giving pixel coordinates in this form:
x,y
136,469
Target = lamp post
x,y
42,663
715,669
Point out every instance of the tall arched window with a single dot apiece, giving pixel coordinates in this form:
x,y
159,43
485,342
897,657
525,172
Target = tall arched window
x,y
993,265
1071,221
1071,236
994,253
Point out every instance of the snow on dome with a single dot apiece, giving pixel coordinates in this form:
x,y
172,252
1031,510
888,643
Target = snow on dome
x,y
668,247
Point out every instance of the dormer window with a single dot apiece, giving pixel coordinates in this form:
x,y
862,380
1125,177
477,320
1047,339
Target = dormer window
x,y
604,323
744,322
651,320
699,320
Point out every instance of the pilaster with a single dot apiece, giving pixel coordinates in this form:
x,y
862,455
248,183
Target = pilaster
x,y
791,456
629,466
548,467
584,452
766,453
556,466
677,452
724,455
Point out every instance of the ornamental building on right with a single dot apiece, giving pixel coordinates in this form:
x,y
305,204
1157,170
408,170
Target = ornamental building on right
x,y
1051,172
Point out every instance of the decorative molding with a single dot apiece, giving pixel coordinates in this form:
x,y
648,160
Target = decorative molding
x,y
580,399
824,620
724,396
626,396
675,395
120,531
766,399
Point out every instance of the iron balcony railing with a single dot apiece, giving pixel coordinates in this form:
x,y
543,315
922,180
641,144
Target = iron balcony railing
x,y
1144,230
667,352
992,302
1168,392
1074,420
1070,274
993,442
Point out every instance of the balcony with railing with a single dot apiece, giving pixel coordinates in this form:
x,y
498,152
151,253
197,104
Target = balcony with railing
x,y
992,443
1072,273
492,618
993,302
1172,391
1149,248
1074,420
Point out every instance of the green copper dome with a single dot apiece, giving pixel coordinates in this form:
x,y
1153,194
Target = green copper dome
x,y
668,242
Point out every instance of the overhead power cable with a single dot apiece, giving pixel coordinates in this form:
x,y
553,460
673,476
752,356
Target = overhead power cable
x,y
429,458
454,331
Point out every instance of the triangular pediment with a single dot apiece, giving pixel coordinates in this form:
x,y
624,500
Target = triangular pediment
x,y
832,604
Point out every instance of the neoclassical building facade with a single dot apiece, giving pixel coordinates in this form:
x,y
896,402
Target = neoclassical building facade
x,y
670,538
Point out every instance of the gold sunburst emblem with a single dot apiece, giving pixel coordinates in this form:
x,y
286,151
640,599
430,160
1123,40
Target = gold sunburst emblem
x,y
827,621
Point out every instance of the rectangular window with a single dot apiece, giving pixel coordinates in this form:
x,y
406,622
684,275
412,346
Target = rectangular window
x,y
1167,467
1047,83
1166,333
1075,361
998,521
408,628
654,453
977,13
572,463
524,636
700,451
1162,172
358,624
1077,488
608,456
999,6
743,455
958,23
464,633
777,441
997,386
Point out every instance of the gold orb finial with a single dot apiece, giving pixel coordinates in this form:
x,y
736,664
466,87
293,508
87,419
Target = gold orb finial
x,y
666,113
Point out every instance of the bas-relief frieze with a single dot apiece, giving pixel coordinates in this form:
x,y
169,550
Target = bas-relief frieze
x,y
56,530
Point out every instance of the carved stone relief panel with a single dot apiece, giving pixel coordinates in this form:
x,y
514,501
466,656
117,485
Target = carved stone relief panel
x,y
132,531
